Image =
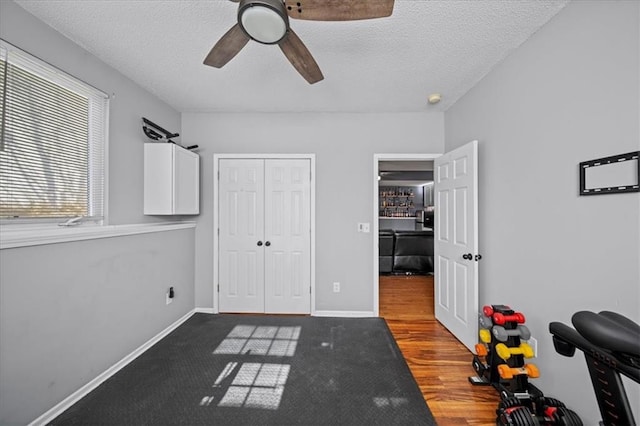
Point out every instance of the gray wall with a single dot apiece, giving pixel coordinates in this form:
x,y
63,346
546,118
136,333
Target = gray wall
x,y
569,94
344,145
69,311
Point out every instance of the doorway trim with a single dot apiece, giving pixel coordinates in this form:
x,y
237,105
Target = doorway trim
x,y
312,199
376,219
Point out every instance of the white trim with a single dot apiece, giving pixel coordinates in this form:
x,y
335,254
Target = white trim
x,y
59,408
312,196
312,253
203,311
215,283
23,236
376,219
345,314
105,197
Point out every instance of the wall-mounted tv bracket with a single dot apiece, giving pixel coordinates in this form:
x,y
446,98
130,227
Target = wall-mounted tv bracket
x,y
611,175
157,133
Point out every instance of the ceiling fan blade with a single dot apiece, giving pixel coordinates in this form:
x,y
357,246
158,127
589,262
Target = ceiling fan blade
x,y
300,57
338,10
227,47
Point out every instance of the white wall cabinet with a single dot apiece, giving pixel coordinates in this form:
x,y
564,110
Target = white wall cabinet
x,y
171,180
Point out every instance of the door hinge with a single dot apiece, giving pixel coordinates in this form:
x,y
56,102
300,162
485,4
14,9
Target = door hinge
x,y
218,174
218,288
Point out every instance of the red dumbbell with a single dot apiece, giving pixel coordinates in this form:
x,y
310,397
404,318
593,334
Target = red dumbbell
x,y
501,319
488,311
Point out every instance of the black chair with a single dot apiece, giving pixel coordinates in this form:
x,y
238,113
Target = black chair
x,y
386,240
413,252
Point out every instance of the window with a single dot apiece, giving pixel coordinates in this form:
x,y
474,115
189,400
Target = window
x,y
53,136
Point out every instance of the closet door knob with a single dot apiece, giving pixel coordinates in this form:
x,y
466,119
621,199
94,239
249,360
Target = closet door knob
x,y
467,256
267,244
259,243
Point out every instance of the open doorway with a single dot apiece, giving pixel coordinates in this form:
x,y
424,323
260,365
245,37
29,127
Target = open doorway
x,y
402,186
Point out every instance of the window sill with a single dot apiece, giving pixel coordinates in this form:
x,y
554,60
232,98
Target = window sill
x,y
24,236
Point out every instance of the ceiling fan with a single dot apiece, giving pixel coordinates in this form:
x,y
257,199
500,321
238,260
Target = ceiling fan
x,y
267,22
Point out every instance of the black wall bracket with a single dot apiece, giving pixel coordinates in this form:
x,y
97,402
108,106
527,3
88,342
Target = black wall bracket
x,y
157,133
610,175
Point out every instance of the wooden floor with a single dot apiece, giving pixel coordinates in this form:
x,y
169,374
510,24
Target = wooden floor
x,y
438,361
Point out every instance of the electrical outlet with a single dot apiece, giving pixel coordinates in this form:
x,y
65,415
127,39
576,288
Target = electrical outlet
x,y
336,287
168,298
534,345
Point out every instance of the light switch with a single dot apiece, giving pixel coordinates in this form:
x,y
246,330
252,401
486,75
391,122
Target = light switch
x,y
363,227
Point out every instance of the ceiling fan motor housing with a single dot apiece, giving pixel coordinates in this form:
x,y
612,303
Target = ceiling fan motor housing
x,y
264,21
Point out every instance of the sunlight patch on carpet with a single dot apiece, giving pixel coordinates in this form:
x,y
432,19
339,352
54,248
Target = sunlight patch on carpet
x,y
260,340
255,385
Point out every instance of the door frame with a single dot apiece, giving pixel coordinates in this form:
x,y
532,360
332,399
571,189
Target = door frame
x,y
376,211
312,199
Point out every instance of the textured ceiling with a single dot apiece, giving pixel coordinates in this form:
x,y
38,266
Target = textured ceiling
x,y
383,65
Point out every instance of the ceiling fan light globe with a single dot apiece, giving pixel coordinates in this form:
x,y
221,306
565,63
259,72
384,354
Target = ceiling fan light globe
x,y
263,24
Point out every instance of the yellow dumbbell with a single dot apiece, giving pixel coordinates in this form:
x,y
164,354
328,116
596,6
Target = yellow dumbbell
x,y
507,372
485,335
505,352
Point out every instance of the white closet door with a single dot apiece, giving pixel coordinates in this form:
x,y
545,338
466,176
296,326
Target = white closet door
x,y
287,217
241,227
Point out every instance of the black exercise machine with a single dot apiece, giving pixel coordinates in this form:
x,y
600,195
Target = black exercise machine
x,y
611,346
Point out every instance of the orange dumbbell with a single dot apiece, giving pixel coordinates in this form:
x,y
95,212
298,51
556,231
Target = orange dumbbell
x,y
481,349
505,352
507,372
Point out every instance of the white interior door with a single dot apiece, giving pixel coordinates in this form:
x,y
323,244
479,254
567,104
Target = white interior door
x,y
456,242
288,232
264,235
241,230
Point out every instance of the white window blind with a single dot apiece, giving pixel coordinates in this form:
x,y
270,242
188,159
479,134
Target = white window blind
x,y
53,131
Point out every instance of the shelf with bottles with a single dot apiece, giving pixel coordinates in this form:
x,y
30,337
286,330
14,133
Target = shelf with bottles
x,y
396,213
396,202
396,192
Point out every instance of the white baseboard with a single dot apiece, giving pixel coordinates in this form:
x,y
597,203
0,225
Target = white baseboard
x,y
204,311
344,314
84,390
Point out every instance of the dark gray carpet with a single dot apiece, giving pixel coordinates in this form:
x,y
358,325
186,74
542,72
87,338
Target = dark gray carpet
x,y
261,370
